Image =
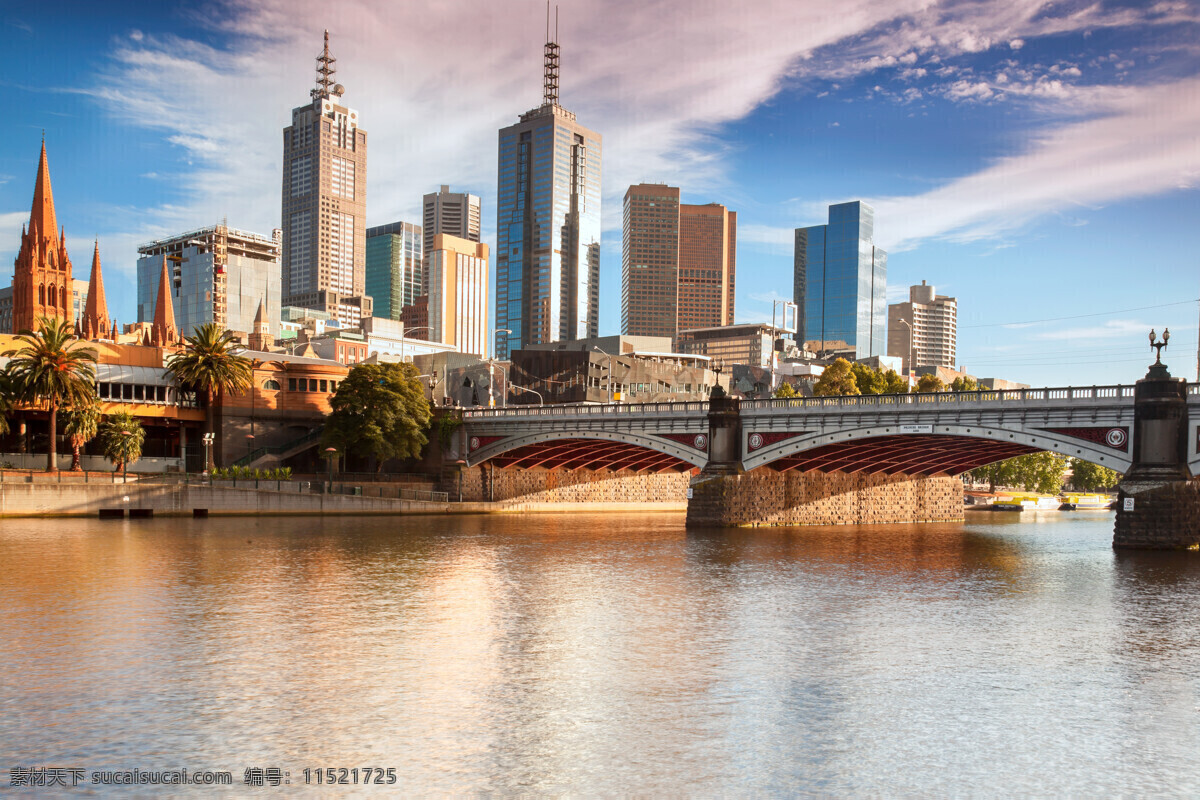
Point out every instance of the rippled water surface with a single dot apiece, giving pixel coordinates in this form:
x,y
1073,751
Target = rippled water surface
x,y
606,654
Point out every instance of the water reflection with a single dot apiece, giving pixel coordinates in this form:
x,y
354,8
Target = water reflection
x,y
556,654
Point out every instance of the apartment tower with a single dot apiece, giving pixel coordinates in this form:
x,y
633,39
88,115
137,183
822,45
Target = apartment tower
x,y
325,203
678,263
454,213
547,223
458,294
840,284
924,331
395,268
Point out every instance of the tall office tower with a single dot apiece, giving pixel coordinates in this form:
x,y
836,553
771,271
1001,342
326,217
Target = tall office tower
x,y
458,294
840,283
217,274
707,265
678,263
395,271
455,213
42,283
650,260
547,224
325,203
924,331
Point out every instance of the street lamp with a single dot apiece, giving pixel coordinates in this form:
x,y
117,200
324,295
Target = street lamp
x,y
208,442
492,376
404,337
912,353
496,331
541,402
330,454
606,355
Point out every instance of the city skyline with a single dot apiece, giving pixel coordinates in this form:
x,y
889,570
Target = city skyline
x,y
1035,163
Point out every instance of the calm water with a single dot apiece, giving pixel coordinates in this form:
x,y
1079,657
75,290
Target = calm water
x,y
605,655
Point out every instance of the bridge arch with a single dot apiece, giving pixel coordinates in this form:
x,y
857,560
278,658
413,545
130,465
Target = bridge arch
x,y
588,449
949,449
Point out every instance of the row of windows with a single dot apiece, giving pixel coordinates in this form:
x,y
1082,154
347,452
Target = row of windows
x,y
140,393
309,385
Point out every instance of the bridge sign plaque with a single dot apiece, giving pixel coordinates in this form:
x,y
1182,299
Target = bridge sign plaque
x,y
916,429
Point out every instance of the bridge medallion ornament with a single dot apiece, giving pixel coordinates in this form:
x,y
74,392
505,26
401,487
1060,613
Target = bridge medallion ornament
x,y
1116,438
697,441
700,442
476,442
757,441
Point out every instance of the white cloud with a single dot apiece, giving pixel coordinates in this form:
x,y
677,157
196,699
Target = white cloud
x,y
1112,329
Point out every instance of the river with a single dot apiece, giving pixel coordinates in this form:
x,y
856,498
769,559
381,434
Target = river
x,y
604,654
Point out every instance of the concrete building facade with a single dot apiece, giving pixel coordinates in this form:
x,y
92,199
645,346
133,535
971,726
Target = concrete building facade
x,y
454,213
707,265
650,260
924,331
458,294
218,274
325,203
751,344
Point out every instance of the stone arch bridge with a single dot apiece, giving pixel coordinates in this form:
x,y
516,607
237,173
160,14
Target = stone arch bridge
x,y
875,458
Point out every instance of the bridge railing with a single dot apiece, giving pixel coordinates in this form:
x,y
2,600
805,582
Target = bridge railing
x,y
689,408
944,398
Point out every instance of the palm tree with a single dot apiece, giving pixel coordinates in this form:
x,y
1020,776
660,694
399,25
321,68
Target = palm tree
x,y
82,426
121,436
49,368
7,400
208,364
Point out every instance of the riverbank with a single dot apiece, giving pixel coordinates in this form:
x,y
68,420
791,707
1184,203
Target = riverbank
x,y
289,499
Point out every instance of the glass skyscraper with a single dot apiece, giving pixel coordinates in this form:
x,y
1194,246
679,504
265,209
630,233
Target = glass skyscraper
x,y
841,284
395,273
547,225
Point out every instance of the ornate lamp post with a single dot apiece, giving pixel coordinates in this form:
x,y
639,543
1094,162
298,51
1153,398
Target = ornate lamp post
x,y
208,442
330,455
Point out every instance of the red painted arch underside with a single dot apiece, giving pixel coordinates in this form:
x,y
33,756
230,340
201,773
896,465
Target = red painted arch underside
x,y
907,455
573,454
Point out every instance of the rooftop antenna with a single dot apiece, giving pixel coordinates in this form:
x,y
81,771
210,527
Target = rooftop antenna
x,y
550,82
325,71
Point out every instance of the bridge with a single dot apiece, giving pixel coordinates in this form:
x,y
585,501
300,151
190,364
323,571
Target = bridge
x,y
851,455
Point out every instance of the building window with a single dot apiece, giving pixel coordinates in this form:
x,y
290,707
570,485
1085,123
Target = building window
x,y
271,384
291,384
324,386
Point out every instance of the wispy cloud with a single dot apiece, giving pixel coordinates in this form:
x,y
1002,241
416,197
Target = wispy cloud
x,y
1112,329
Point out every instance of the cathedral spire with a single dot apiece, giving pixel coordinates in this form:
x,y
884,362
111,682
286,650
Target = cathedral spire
x,y
95,310
42,271
164,310
42,218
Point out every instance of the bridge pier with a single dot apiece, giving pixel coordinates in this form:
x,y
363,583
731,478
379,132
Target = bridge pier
x,y
1158,505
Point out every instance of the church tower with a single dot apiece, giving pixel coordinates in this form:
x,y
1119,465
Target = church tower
x,y
42,274
260,338
95,322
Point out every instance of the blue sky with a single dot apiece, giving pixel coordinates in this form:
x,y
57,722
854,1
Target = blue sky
x,y
1039,161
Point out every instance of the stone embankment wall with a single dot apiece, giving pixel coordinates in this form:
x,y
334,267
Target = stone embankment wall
x,y
1165,516
766,497
539,486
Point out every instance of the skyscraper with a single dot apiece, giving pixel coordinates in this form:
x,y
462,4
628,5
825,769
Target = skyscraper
x,y
325,203
840,283
547,224
678,263
454,213
458,294
650,260
924,331
395,269
707,265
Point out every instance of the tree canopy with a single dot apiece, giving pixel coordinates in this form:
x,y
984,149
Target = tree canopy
x,y
837,379
1037,472
82,425
121,436
930,383
1091,477
379,410
50,367
785,390
964,383
208,364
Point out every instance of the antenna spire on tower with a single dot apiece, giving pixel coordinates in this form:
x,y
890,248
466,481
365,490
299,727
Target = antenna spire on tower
x,y
325,71
550,82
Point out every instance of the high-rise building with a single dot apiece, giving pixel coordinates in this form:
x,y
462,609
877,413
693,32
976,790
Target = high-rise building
x,y
42,282
325,203
678,263
547,224
458,294
455,213
840,283
707,265
395,272
217,274
650,260
924,331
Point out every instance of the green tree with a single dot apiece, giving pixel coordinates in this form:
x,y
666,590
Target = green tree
x,y
868,380
964,383
1092,477
208,364
82,425
379,410
121,437
930,383
1037,472
50,367
893,383
837,379
785,391
8,400
999,473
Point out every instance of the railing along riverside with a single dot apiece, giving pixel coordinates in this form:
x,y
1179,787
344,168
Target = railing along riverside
x,y
276,449
610,409
943,398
